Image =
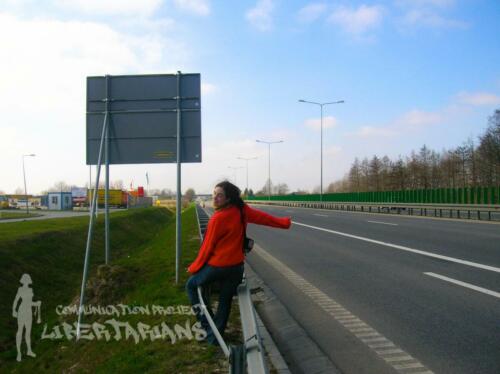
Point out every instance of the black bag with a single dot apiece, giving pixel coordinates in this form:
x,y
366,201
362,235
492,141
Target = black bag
x,y
247,242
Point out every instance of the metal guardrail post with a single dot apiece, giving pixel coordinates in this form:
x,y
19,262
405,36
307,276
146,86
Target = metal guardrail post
x,y
256,363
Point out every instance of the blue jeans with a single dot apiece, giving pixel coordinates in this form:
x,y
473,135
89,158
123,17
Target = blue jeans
x,y
229,277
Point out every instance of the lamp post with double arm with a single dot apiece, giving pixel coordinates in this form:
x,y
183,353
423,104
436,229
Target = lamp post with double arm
x,y
247,159
269,164
25,189
321,105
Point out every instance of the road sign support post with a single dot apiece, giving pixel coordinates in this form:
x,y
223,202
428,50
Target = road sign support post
x,y
91,226
106,192
179,193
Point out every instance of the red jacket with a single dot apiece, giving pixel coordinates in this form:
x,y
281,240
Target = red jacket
x,y
223,242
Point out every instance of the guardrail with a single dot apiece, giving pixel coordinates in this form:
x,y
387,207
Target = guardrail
x,y
251,352
477,212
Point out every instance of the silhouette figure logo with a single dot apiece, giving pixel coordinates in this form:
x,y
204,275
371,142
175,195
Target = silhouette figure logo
x,y
24,314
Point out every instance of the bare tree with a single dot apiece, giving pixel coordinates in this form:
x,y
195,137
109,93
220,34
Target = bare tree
x,y
281,189
60,186
189,194
365,173
117,185
355,176
489,151
375,168
397,175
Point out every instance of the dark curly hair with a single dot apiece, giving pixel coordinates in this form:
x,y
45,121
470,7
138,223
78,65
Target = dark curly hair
x,y
232,193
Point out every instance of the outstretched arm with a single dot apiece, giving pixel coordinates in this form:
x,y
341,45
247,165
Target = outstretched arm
x,y
262,218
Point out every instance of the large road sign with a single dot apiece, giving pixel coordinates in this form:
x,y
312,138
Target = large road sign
x,y
142,112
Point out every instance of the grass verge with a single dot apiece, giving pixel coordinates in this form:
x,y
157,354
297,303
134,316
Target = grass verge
x,y
142,277
17,215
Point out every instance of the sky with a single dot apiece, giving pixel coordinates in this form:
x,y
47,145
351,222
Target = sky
x,y
411,72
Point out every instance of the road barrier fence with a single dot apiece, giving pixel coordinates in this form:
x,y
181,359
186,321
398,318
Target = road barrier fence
x,y
465,195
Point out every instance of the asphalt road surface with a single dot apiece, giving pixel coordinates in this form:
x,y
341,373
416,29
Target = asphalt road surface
x,y
388,294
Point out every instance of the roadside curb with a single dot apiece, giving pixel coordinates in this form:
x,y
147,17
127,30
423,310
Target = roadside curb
x,y
301,353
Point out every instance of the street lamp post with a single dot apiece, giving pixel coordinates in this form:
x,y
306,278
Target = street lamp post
x,y
247,159
234,168
25,189
269,164
321,167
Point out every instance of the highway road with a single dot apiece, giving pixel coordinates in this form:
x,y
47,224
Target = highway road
x,y
388,294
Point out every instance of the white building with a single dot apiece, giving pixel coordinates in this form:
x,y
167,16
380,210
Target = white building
x,y
60,201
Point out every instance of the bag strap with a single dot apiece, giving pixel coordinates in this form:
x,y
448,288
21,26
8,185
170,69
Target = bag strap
x,y
242,216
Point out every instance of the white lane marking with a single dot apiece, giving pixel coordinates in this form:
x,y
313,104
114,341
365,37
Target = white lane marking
x,y
408,366
403,248
463,284
384,223
373,339
319,215
398,358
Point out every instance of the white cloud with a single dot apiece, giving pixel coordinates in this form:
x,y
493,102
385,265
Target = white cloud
x,y
311,12
198,7
371,131
421,3
44,93
427,13
260,16
315,123
478,98
415,118
111,7
429,18
208,88
357,21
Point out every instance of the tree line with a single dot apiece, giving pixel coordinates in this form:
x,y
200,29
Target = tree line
x,y
468,165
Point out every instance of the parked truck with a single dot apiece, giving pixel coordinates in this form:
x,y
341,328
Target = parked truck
x,y
116,198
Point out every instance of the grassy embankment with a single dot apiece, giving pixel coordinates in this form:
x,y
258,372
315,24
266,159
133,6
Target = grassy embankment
x,y
142,274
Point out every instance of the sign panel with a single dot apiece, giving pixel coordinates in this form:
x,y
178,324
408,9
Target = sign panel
x,y
143,118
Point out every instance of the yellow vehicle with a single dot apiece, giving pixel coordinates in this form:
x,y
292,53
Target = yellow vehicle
x,y
4,202
117,198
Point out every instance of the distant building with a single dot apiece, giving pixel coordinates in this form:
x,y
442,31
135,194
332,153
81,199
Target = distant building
x,y
19,201
60,201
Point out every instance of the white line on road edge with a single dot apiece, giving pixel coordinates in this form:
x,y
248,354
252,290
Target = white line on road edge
x,y
320,215
463,284
398,359
403,248
384,223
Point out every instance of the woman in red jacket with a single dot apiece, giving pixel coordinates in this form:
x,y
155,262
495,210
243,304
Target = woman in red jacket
x,y
221,255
